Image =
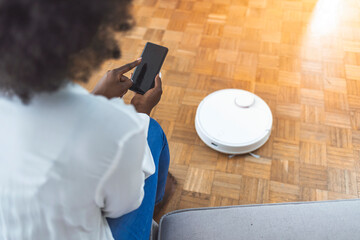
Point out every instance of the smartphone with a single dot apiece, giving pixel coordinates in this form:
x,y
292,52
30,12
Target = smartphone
x,y
153,57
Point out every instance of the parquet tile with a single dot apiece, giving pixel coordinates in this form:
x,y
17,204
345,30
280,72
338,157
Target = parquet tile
x,y
354,103
267,91
285,150
340,158
267,75
353,87
285,171
313,176
181,153
338,196
167,111
184,134
289,110
287,78
356,139
352,72
306,69
352,58
270,46
312,114
334,70
311,194
191,199
335,85
226,185
254,190
288,95
258,168
199,180
339,137
217,201
357,155
222,163
312,81
289,63
313,132
342,181
335,102
337,119
204,158
313,153
287,129
179,171
312,97
282,192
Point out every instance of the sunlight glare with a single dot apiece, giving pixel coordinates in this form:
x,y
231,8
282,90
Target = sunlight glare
x,y
326,17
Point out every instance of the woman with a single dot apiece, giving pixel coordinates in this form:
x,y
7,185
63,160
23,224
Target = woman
x,y
69,158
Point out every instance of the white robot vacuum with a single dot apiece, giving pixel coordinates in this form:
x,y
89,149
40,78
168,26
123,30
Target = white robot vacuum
x,y
233,121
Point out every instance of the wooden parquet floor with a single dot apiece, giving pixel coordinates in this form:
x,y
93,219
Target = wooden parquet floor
x,y
301,56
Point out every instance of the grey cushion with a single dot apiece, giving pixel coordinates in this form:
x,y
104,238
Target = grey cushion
x,y
307,220
154,230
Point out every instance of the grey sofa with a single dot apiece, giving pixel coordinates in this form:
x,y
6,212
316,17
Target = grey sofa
x,y
304,220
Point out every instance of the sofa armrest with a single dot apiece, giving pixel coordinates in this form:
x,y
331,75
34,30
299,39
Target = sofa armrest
x,y
304,220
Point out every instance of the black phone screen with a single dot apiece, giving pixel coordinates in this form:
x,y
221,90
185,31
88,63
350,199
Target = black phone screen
x,y
153,57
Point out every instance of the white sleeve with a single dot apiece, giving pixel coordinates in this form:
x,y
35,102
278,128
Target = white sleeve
x,y
148,163
121,189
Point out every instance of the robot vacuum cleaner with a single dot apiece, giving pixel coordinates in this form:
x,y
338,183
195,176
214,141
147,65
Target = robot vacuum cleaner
x,y
233,121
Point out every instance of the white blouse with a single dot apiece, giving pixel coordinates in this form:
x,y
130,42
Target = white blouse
x,y
68,160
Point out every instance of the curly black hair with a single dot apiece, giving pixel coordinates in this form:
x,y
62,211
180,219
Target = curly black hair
x,y
46,43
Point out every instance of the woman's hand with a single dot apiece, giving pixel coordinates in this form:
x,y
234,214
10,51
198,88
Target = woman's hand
x,y
114,83
145,103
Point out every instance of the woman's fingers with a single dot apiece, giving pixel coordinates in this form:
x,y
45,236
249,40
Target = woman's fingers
x,y
158,84
125,81
124,78
128,67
